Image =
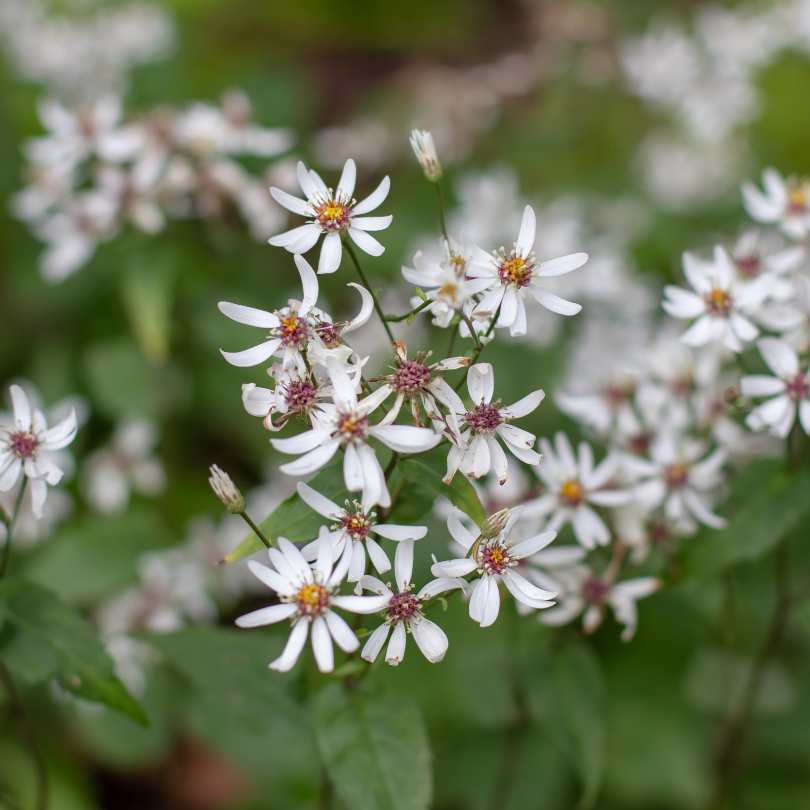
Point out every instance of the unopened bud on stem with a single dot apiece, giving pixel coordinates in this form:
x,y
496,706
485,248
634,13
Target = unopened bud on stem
x,y
425,151
494,524
226,491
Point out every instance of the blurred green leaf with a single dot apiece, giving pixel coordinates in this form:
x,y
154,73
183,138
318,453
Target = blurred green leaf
x,y
413,502
568,694
52,639
147,291
375,748
294,519
766,502
428,469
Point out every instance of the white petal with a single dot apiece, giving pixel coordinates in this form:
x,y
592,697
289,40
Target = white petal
x,y
372,223
481,383
554,302
393,532
458,531
347,180
295,643
365,310
303,442
322,505
313,460
525,239
341,632
375,643
430,639
374,200
561,266
309,281
366,242
406,438
525,406
352,469
379,558
294,236
331,254
533,544
780,357
361,604
307,184
253,356
22,410
760,385
396,647
265,616
322,645
403,564
294,204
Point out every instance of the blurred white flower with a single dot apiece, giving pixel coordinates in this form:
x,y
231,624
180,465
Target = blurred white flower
x,y
784,202
128,464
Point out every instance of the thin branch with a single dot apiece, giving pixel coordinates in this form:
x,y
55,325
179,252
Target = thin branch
x,y
350,250
10,531
256,530
441,211
27,731
398,318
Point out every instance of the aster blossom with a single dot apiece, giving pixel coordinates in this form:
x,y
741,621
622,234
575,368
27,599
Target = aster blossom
x,y
351,535
572,485
479,449
26,448
403,612
333,214
788,390
514,274
308,596
722,302
495,558
785,203
346,423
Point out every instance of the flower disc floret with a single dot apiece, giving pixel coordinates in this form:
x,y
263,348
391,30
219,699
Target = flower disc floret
x,y
718,302
330,334
493,557
515,271
410,377
312,599
352,427
23,444
798,195
484,418
300,395
293,330
595,590
333,212
676,475
403,607
798,388
356,524
571,492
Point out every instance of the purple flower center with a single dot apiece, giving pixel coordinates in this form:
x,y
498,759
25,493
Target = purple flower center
x,y
484,417
798,388
748,265
352,427
402,607
300,395
494,557
676,475
23,444
515,271
410,377
356,524
594,590
293,331
329,333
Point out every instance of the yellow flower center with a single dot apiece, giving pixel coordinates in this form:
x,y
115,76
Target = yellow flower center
x,y
312,599
571,492
516,271
718,302
676,475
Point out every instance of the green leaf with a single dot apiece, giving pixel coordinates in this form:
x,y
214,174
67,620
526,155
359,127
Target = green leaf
x,y
413,502
428,469
375,748
293,519
420,293
766,502
570,700
53,640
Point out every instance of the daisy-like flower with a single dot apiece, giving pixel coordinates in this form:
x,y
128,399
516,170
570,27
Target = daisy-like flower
x,y
308,596
403,612
445,283
674,477
607,410
480,449
784,202
754,255
26,448
351,534
514,274
292,328
572,485
581,591
721,302
789,390
333,214
413,380
496,559
346,423
294,395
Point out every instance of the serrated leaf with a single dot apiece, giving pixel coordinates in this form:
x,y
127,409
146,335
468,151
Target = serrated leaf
x,y
293,519
52,640
375,749
767,503
428,469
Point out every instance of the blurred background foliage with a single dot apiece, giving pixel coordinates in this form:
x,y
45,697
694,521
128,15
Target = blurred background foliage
x,y
604,725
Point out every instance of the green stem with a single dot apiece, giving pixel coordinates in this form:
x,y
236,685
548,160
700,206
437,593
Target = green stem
x,y
350,250
453,336
397,318
391,464
27,731
479,345
10,530
466,319
257,531
442,225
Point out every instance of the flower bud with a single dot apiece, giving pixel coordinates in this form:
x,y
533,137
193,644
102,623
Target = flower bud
x,y
226,491
494,524
425,151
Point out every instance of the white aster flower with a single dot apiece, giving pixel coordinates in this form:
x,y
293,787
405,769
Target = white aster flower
x,y
674,477
27,446
581,591
784,202
332,213
572,485
403,612
346,423
351,535
607,410
445,283
480,449
129,463
789,390
308,596
791,318
495,558
754,254
513,275
721,301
